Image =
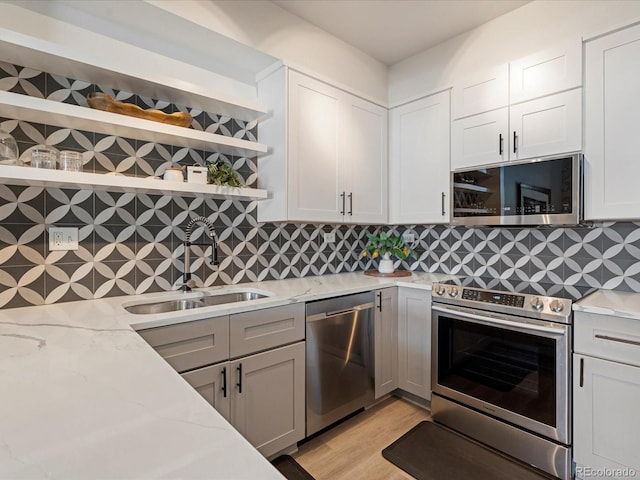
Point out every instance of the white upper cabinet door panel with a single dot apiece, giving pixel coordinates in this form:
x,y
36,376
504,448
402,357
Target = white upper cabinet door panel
x,y
546,126
314,192
480,140
419,161
550,71
364,163
612,106
481,92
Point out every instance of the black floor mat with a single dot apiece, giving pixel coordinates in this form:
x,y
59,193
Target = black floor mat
x,y
431,452
291,469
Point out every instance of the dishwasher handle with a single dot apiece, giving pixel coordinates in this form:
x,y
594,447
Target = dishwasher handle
x,y
336,313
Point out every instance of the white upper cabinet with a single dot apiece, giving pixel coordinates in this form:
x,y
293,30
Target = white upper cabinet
x,y
551,124
612,103
544,114
363,161
546,72
481,92
314,124
419,161
328,161
480,139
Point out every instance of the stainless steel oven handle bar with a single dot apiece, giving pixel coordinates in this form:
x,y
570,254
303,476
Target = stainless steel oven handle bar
x,y
500,322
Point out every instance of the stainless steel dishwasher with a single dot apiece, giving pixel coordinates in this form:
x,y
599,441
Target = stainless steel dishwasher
x,y
340,368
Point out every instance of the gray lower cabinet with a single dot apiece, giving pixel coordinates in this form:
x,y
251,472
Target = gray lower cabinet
x,y
249,366
386,341
268,401
414,341
212,383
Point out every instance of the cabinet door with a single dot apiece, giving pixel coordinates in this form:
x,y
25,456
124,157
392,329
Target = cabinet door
x,y
386,341
313,126
419,161
414,341
612,103
481,92
268,406
213,384
606,423
550,71
480,140
546,126
363,160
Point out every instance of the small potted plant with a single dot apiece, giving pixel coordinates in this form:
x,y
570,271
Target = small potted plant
x,y
384,246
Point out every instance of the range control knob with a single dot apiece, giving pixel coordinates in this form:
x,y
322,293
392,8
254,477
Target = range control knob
x,y
537,303
440,290
453,292
556,306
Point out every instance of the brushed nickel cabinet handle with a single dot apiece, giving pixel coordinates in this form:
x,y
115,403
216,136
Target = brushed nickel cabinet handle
x,y
619,340
342,196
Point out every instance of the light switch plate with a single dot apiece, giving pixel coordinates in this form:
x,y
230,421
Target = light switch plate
x,y
63,238
329,237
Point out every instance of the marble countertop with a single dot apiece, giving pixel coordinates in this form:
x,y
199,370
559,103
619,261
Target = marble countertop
x,y
610,302
84,397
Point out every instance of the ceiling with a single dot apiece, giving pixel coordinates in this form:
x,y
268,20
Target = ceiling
x,y
392,30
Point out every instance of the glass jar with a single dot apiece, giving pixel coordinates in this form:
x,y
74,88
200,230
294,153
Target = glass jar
x,y
44,158
70,161
8,149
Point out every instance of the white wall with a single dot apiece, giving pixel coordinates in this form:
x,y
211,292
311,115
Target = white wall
x,y
528,29
272,30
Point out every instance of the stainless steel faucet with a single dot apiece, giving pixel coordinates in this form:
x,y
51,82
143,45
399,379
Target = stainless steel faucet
x,y
186,276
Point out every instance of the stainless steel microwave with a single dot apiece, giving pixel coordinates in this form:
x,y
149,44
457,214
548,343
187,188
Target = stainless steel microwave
x,y
542,191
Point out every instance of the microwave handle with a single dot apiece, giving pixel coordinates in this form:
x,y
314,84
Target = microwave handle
x,y
500,322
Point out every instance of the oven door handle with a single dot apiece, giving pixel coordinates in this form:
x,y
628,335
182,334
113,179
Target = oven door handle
x,y
498,321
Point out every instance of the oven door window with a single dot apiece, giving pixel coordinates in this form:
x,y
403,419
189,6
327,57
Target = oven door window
x,y
508,369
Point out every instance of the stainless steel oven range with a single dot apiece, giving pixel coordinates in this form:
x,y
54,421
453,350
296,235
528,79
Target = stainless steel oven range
x,y
501,367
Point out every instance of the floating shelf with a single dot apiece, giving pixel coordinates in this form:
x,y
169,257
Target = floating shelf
x,y
36,177
33,109
135,72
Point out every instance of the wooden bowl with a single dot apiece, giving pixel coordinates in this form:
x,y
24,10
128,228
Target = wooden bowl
x,y
102,101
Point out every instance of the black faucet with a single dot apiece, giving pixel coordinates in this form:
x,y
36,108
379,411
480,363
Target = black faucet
x,y
186,276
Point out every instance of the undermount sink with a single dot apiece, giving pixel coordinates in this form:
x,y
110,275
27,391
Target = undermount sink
x,y
207,300
222,298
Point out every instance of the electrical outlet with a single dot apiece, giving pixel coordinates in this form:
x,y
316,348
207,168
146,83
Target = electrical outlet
x,y
63,238
409,237
329,237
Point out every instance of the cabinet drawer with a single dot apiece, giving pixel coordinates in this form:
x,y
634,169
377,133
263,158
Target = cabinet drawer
x,y
608,337
263,329
192,344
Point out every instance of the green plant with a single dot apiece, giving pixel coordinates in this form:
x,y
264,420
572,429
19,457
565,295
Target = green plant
x,y
221,173
384,243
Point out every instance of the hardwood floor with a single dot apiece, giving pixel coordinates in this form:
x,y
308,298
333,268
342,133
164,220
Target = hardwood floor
x,y
352,450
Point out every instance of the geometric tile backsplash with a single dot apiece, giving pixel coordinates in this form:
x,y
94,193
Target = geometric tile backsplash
x,y
132,243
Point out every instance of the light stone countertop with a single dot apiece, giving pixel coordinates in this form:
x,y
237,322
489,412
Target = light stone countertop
x,y
84,397
611,302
